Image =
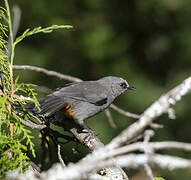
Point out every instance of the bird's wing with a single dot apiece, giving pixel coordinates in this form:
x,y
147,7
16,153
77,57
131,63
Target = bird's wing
x,y
90,91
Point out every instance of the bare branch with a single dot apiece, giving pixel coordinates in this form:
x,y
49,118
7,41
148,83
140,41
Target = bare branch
x,y
60,157
110,119
147,136
171,145
148,171
154,146
83,167
88,138
156,126
163,161
30,124
33,125
125,113
47,72
102,158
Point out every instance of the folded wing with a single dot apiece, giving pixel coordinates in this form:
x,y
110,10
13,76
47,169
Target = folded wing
x,y
87,91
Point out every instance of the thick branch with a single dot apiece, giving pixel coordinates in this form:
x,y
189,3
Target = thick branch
x,y
87,137
84,134
82,168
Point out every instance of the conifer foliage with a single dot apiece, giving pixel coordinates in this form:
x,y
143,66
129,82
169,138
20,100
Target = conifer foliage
x,y
16,140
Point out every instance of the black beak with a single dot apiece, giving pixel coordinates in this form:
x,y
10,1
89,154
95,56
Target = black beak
x,y
131,88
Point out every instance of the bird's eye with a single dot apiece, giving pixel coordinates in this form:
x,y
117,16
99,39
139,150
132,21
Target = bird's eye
x,y
123,85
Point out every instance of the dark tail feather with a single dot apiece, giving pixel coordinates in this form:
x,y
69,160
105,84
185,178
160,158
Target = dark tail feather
x,y
30,106
48,106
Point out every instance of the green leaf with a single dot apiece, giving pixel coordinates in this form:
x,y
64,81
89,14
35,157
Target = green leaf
x,y
39,29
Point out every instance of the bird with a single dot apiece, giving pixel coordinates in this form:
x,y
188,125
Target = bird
x,y
81,100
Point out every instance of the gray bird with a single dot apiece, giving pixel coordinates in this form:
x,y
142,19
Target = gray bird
x,y
81,100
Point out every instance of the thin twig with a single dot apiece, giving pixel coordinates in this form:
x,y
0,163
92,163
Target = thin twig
x,y
35,168
156,126
110,119
148,171
151,146
125,113
29,123
47,72
60,157
33,125
147,136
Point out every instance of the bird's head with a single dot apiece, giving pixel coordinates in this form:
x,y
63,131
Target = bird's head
x,y
117,85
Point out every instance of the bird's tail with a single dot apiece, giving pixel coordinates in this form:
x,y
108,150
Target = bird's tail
x,y
48,106
30,106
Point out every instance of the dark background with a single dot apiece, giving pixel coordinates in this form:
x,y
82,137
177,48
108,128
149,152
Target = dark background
x,y
145,42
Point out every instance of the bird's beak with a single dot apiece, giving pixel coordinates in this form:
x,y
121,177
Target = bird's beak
x,y
131,88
